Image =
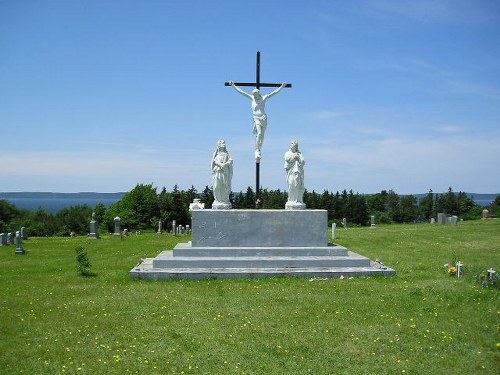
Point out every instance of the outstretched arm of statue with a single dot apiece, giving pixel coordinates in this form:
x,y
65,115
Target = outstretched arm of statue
x,y
231,83
274,92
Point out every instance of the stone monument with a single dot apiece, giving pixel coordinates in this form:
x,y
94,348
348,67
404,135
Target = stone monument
x,y
94,228
19,240
117,232
3,239
196,205
24,233
229,243
442,218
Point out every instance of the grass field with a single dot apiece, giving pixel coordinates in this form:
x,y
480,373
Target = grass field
x,y
421,321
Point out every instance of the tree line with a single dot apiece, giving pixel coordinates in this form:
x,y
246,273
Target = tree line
x,y
143,207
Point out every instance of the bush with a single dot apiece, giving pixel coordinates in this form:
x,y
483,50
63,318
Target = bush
x,y
83,263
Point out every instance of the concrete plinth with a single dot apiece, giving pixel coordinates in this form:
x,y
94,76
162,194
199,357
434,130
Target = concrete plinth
x,y
257,228
257,243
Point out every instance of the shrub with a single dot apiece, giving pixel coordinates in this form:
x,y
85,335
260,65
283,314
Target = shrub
x,y
83,263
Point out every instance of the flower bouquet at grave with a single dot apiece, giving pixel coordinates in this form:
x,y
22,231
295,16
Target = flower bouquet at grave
x,y
454,269
490,278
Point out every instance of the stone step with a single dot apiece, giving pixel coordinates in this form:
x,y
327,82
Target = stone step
x,y
186,250
166,259
145,270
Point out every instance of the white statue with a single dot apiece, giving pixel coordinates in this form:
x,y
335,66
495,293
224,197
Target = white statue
x,y
222,173
259,114
294,166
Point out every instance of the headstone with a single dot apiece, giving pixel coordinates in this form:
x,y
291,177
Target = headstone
x,y
3,239
125,233
454,220
486,214
174,228
334,231
196,205
433,221
372,219
159,232
94,228
442,218
10,240
117,232
19,240
344,223
24,233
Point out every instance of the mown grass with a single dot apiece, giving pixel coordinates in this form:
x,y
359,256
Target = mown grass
x,y
421,321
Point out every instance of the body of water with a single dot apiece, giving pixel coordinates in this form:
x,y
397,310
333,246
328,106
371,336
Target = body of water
x,y
53,205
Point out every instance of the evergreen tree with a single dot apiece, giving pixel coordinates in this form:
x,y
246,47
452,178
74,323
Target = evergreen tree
x,y
427,206
249,201
179,210
408,209
447,203
207,197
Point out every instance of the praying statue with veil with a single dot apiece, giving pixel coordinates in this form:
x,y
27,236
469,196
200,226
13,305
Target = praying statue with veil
x,y
222,173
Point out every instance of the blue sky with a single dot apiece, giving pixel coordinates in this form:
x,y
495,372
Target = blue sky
x,y
102,95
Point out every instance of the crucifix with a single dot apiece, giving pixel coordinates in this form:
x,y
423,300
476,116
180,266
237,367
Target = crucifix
x,y
259,115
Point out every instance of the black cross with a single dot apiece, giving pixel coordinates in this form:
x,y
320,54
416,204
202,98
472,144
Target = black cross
x,y
257,84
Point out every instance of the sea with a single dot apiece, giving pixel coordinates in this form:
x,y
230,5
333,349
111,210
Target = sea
x,y
54,202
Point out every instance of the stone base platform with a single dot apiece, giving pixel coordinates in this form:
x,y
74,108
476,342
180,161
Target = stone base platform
x,y
188,263
285,242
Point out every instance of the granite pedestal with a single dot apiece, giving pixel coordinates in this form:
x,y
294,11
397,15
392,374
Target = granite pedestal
x,y
257,243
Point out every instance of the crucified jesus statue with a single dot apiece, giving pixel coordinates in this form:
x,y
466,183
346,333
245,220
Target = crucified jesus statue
x,y
259,114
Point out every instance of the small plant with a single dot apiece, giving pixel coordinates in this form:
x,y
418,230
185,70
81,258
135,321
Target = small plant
x,y
83,263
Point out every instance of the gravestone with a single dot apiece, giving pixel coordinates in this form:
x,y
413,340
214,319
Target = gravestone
x,y
334,231
24,233
94,228
125,233
10,240
433,221
159,231
19,240
372,220
117,232
442,219
486,214
3,239
196,205
174,227
344,223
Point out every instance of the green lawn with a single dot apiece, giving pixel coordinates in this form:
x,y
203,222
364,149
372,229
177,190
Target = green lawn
x,y
421,321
